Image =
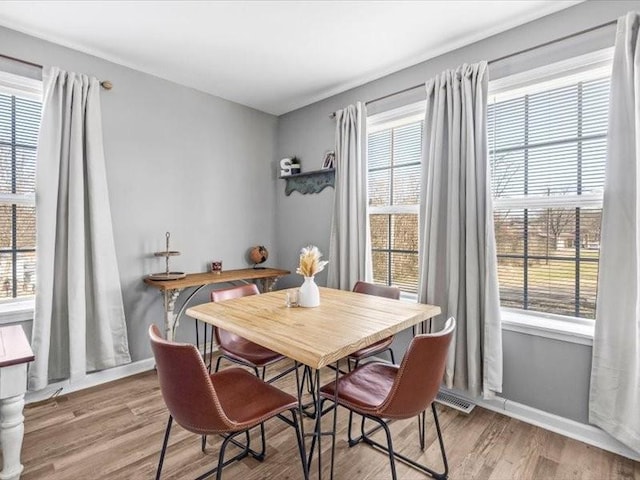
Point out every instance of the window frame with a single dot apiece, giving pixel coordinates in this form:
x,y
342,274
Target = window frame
x,y
390,119
18,308
556,326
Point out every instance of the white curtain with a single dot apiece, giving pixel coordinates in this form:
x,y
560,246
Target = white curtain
x,y
349,244
79,323
458,263
614,399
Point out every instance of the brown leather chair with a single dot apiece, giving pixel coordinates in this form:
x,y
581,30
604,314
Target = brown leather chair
x,y
229,403
382,345
374,349
240,350
379,391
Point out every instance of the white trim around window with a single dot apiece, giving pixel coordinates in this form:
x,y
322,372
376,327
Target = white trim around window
x,y
397,117
14,311
556,327
19,86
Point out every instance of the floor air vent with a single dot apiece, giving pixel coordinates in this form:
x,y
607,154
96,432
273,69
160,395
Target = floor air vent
x,y
451,400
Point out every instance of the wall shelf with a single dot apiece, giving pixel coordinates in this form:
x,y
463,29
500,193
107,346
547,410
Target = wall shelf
x,y
310,182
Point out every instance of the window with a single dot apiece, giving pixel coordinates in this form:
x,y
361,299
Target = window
x,y
394,146
19,124
547,147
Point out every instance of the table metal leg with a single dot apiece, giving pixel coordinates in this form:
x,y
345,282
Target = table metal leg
x,y
318,433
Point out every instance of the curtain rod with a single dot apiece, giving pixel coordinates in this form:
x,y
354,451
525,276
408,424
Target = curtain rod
x,y
504,57
106,84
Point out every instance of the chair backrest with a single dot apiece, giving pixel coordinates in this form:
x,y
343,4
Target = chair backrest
x,y
377,290
224,337
234,292
420,374
186,387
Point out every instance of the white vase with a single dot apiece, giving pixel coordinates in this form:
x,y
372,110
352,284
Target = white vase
x,y
309,294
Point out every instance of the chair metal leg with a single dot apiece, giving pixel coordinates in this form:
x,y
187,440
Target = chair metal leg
x,y
263,452
250,451
246,448
299,437
221,463
221,455
167,431
282,374
363,433
421,429
204,355
349,440
365,437
392,460
198,336
210,346
440,440
218,363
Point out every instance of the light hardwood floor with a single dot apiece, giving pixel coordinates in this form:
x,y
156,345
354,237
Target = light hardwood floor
x,y
115,431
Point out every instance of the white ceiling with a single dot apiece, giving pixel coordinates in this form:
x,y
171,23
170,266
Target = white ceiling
x,y
274,56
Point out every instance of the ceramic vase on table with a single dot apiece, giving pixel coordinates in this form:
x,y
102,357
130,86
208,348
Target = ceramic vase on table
x,y
309,294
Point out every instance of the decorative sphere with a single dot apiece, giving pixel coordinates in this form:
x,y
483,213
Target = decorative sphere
x,y
258,254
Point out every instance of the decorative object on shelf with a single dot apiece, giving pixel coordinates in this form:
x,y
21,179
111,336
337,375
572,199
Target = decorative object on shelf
x,y
329,160
167,274
295,166
285,167
258,255
216,266
310,265
289,166
310,182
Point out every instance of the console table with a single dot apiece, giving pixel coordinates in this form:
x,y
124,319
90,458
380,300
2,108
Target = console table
x,y
170,289
15,353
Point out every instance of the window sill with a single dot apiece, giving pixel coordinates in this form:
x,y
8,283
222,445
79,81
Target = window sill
x,y
409,297
560,328
19,311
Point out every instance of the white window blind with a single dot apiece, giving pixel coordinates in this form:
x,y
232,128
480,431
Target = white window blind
x,y
19,126
393,154
547,146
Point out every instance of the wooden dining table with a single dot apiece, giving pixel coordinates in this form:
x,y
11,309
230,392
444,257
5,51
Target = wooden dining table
x,y
342,324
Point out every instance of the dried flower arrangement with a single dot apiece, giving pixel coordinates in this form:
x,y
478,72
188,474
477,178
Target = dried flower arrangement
x,y
310,263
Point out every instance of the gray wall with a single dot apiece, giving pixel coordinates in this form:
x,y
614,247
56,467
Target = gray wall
x,y
177,160
206,169
542,373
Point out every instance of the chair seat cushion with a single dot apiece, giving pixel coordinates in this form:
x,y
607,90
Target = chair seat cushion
x,y
372,349
247,400
364,389
249,352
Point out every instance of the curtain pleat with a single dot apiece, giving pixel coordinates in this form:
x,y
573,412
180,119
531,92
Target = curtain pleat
x,y
79,323
349,244
458,263
614,398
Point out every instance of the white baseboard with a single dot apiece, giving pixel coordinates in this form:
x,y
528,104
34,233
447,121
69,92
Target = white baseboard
x,y
588,434
91,380
94,379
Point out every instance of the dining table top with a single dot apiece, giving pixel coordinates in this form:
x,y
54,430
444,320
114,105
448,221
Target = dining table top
x,y
342,324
